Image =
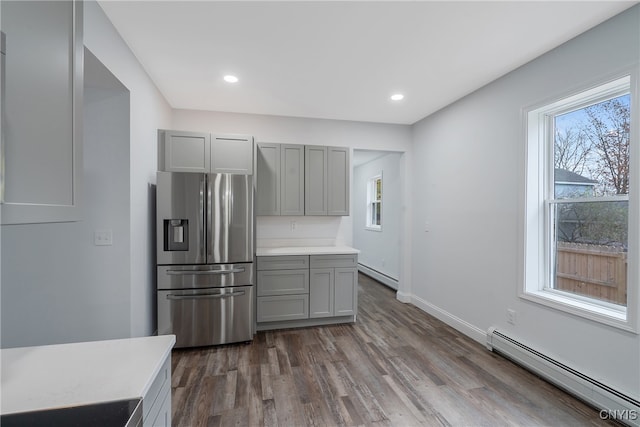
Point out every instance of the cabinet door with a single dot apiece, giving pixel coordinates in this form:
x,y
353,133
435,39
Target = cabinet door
x,y
292,180
268,179
185,151
42,82
321,292
232,154
338,180
346,291
315,180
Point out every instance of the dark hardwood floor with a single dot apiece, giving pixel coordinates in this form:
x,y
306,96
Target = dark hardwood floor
x,y
396,366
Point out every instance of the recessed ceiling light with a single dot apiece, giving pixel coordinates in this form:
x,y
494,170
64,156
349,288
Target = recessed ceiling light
x,y
230,79
397,97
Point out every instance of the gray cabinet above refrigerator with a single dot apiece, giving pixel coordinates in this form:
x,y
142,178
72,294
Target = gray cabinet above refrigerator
x,y
202,152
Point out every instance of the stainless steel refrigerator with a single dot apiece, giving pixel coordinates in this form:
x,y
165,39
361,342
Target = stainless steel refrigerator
x,y
205,257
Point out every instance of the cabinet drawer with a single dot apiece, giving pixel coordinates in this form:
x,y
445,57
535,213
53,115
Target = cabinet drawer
x,y
294,262
285,307
330,261
283,282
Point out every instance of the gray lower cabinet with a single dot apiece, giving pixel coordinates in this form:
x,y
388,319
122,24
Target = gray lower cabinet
x,y
345,292
307,287
322,293
282,308
333,286
282,288
156,403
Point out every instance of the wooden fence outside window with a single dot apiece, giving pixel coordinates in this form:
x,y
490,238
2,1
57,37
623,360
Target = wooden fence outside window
x,y
592,270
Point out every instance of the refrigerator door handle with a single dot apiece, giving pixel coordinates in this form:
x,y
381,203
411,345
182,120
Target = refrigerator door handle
x,y
202,272
202,250
206,296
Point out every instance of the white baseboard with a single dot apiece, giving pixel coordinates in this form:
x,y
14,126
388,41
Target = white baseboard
x,y
403,297
380,277
455,322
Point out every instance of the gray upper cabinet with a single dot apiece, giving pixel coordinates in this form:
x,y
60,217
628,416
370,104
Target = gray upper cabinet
x,y
232,154
302,180
42,80
292,180
315,180
280,183
198,152
184,151
338,181
327,180
268,179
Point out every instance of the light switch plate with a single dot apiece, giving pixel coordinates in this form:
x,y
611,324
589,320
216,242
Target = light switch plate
x,y
103,238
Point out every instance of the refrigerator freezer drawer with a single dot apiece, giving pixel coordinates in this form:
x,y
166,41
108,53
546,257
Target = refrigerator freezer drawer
x,y
205,276
200,317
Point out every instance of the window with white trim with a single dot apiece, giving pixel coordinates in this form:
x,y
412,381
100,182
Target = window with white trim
x,y
581,197
374,203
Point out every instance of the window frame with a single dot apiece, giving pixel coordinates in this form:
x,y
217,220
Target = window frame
x,y
536,267
371,199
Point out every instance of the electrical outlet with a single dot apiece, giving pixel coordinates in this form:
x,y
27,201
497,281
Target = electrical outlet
x,y
103,238
511,316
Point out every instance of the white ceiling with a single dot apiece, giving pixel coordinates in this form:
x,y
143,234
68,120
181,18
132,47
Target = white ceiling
x,y
341,60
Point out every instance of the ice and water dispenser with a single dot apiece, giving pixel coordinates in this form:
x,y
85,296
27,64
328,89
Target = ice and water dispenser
x,y
176,234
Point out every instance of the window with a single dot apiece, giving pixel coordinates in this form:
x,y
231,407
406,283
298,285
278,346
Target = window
x,y
578,234
374,203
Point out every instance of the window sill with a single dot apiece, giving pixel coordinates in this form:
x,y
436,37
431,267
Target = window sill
x,y
379,229
612,316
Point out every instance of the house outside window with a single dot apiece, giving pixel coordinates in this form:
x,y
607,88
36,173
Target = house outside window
x,y
374,203
580,198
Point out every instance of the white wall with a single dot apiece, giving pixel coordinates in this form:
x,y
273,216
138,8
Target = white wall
x,y
468,165
379,250
149,111
57,286
290,130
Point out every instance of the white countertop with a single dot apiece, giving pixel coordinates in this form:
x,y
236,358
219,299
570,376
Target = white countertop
x,y
306,250
62,375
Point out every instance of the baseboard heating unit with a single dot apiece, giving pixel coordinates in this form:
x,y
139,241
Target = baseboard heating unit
x,y
611,403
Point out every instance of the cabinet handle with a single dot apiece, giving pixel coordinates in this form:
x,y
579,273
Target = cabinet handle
x,y
204,272
205,296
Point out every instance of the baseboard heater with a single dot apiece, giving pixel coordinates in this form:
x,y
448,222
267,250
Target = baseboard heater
x,y
610,402
379,276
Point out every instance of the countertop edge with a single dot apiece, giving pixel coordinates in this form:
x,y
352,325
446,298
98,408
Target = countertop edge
x,y
306,250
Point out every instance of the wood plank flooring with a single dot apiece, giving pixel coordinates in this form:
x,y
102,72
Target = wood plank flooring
x,y
397,366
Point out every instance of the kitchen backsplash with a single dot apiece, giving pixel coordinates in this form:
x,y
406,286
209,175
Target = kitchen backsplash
x,y
302,231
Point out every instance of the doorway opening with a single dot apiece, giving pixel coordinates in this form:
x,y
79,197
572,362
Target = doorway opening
x,y
377,214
